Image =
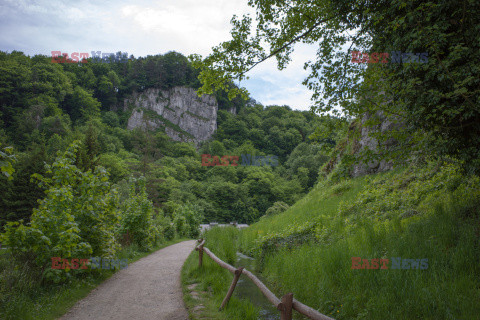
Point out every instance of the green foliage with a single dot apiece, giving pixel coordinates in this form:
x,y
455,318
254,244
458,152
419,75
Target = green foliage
x,y
180,224
410,194
115,165
187,219
58,124
20,194
436,101
82,105
169,231
278,207
76,218
136,217
111,119
6,160
87,156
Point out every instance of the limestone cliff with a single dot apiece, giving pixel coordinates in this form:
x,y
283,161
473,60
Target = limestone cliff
x,y
184,115
360,138
366,141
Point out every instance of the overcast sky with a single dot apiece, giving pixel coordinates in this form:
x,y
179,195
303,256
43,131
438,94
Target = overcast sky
x,y
143,28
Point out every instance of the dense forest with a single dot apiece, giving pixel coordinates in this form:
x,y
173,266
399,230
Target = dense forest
x,y
46,106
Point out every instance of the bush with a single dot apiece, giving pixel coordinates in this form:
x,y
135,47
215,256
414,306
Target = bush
x,y
180,224
137,217
278,207
187,220
169,231
76,219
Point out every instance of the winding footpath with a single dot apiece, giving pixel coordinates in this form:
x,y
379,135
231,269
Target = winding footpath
x,y
148,289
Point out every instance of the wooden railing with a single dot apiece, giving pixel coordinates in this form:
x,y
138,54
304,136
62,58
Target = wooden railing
x,y
284,305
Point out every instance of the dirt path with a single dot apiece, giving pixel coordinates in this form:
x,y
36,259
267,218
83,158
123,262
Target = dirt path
x,y
147,289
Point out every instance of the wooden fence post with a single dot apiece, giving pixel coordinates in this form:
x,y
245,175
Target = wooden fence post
x,y
200,253
286,307
237,275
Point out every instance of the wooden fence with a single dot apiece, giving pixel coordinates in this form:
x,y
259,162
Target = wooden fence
x,y
284,305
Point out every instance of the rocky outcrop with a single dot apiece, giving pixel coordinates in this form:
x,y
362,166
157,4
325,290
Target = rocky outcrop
x,y
184,115
367,141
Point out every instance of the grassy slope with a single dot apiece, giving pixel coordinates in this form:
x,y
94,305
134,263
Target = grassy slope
x,y
32,301
422,213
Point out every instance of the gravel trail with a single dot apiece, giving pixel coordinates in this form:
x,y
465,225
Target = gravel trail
x,y
147,289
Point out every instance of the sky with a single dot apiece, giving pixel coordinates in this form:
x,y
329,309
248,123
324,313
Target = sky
x,y
143,28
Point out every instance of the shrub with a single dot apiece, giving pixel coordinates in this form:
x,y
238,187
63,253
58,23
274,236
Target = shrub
x,y
137,217
278,207
75,220
187,220
169,231
180,224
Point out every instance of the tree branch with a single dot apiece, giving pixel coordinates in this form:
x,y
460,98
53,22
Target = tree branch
x,y
287,44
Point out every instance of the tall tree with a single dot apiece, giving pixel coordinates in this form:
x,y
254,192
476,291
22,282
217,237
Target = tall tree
x,y
437,100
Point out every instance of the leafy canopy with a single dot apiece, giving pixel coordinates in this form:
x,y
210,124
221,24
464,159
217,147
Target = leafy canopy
x,y
436,101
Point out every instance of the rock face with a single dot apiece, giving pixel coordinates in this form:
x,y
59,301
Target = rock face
x,y
368,142
184,115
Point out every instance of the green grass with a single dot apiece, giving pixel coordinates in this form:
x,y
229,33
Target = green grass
x,y
413,213
320,202
23,297
213,281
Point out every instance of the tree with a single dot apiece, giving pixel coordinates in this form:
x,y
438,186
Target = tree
x,y
192,215
437,101
20,194
106,91
278,207
82,105
77,218
307,157
137,216
87,156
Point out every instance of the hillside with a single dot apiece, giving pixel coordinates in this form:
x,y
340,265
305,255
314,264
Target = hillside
x,y
328,247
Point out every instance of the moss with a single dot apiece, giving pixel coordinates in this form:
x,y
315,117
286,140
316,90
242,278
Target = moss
x,y
150,114
168,107
197,116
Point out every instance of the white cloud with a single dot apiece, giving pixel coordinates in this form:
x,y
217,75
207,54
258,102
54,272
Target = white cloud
x,y
282,86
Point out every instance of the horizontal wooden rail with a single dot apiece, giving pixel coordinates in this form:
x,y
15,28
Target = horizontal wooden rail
x,y
266,292
219,262
309,312
285,305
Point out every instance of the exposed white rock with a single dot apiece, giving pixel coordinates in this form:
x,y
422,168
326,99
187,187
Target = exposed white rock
x,y
368,142
194,118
